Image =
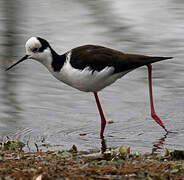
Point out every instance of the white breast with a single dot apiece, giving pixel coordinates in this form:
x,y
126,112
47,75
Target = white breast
x,y
86,80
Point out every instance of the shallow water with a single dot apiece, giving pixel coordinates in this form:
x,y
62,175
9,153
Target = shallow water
x,y
37,108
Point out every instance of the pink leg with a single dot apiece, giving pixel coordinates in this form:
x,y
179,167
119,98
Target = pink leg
x,y
153,114
103,121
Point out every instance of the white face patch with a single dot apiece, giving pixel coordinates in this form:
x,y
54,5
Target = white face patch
x,y
44,57
32,43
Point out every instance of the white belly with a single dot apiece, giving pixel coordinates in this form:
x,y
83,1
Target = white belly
x,y
87,80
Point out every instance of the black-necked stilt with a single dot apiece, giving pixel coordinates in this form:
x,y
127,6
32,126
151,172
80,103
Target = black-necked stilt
x,y
90,68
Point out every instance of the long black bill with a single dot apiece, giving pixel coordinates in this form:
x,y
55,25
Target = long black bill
x,y
23,59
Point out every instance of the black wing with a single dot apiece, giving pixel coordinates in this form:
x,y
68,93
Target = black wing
x,y
98,57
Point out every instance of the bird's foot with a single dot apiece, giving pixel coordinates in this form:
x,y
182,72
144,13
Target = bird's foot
x,y
158,120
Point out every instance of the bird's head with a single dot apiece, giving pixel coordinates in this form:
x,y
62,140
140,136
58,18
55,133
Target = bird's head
x,y
36,48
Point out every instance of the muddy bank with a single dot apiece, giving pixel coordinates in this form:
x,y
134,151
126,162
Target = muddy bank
x,y
73,164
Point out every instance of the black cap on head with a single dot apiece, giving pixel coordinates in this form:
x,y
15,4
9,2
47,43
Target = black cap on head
x,y
44,44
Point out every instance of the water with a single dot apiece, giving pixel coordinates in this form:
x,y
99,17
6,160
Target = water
x,y
37,108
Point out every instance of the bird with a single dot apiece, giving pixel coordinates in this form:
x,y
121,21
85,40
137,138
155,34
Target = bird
x,y
90,68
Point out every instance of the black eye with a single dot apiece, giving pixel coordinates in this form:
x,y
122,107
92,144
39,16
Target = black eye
x,y
35,49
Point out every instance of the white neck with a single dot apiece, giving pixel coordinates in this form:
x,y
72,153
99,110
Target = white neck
x,y
45,58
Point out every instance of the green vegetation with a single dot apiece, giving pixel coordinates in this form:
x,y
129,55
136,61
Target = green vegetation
x,y
74,164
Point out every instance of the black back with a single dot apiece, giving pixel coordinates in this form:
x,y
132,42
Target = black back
x,y
98,57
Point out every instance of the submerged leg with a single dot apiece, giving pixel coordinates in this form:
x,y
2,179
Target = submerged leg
x,y
153,114
103,121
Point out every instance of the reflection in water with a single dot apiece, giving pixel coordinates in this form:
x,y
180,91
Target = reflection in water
x,y
159,144
103,145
